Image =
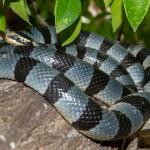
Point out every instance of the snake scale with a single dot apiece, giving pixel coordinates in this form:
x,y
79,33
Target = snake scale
x,y
70,78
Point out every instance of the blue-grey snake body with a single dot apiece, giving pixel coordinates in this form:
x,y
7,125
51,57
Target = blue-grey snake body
x,y
70,77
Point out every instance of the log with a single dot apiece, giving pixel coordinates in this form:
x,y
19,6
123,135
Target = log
x,y
29,122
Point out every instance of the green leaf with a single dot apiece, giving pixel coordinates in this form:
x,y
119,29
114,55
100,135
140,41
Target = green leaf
x,y
2,22
116,10
73,35
136,11
28,12
66,12
20,8
107,2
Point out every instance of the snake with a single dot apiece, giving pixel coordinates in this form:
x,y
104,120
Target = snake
x,y
71,77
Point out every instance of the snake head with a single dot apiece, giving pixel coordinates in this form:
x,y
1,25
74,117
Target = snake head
x,y
14,38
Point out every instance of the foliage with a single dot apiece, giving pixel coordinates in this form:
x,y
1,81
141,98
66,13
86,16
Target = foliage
x,y
2,21
125,20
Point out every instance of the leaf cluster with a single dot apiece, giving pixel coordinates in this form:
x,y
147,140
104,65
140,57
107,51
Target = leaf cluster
x,y
125,20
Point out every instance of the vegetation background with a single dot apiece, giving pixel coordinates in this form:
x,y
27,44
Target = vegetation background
x,y
124,20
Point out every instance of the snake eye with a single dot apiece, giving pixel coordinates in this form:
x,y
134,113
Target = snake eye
x,y
15,37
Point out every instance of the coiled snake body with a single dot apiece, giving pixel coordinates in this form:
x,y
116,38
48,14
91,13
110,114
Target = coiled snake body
x,y
70,77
